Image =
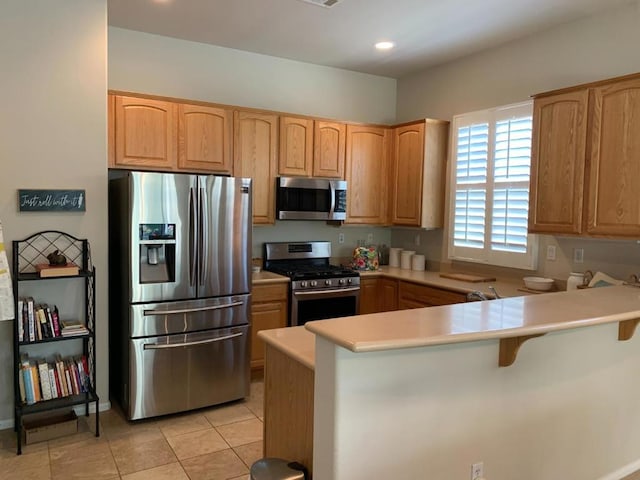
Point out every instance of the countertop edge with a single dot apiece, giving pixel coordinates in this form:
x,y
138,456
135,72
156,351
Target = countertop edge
x,y
295,342
332,329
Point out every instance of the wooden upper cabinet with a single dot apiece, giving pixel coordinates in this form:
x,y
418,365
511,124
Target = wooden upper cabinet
x,y
329,149
408,154
144,133
205,139
614,174
367,170
296,146
558,163
419,167
255,156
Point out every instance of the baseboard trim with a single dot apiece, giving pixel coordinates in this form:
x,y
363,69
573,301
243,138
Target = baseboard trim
x,y
79,409
623,472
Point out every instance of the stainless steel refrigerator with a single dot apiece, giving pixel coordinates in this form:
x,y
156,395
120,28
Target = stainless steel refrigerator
x,y
179,281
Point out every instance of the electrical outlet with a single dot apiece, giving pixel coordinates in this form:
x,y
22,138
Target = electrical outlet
x,y
417,239
578,255
369,238
551,252
341,238
477,471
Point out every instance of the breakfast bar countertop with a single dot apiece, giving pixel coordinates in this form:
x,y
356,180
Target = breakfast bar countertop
x,y
494,319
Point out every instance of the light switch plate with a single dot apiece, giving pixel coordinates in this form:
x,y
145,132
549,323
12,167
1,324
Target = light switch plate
x,y
551,252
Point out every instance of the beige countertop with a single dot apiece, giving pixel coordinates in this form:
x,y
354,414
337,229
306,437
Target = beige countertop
x,y
495,319
296,342
263,277
505,288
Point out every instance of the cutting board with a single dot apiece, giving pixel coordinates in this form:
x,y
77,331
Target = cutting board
x,y
467,277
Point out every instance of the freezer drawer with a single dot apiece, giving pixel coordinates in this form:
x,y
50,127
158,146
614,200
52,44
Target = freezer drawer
x,y
175,373
165,318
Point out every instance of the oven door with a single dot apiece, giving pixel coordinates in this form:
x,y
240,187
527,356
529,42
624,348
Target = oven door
x,y
311,305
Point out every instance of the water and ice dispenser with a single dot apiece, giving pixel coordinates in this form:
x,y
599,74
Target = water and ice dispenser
x,y
157,252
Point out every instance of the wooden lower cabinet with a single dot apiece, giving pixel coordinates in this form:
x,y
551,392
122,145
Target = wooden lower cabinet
x,y
268,310
413,295
368,296
387,295
288,412
378,295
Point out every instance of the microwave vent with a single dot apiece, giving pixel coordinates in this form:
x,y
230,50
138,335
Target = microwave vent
x,y
323,3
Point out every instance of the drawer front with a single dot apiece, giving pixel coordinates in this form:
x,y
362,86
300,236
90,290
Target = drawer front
x,y
429,295
269,293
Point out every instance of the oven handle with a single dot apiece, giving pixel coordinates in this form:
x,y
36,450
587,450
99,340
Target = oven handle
x,y
326,292
158,346
189,310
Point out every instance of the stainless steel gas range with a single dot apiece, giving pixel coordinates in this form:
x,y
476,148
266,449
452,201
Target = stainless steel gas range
x,y
318,289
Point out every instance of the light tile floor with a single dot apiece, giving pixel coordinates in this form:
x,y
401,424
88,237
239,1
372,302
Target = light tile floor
x,y
218,443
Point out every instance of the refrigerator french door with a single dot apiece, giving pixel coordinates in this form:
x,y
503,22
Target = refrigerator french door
x,y
180,291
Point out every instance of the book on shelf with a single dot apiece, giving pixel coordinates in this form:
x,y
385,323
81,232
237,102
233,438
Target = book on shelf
x,y
40,380
71,328
19,319
45,270
45,384
31,320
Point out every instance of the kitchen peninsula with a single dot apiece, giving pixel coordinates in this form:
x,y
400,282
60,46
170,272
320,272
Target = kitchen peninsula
x,y
420,392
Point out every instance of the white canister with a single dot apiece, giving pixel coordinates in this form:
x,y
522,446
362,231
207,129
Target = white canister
x,y
575,280
394,256
405,259
417,262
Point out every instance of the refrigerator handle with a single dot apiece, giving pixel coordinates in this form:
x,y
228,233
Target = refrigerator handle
x,y
193,235
157,346
201,227
190,310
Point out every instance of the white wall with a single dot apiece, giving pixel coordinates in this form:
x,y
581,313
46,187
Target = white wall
x,y
141,62
53,135
566,409
595,48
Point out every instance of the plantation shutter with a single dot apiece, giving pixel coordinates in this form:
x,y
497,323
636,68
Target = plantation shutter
x,y
490,187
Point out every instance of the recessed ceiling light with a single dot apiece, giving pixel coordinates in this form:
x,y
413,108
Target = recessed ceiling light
x,y
385,45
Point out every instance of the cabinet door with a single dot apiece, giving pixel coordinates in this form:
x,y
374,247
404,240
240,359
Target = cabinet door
x,y
268,310
296,146
145,133
408,157
558,163
387,295
366,173
368,295
329,141
204,139
254,152
614,180
265,316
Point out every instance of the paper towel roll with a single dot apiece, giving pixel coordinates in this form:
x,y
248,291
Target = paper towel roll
x,y
394,256
417,262
405,259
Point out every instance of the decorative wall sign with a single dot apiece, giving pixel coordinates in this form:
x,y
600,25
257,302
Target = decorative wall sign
x,y
51,200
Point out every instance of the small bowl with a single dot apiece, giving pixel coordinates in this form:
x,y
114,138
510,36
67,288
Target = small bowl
x,y
256,269
538,283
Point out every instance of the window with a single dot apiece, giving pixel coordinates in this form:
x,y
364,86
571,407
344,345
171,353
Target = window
x,y
491,163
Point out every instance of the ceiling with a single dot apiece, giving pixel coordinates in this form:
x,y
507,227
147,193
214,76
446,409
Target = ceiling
x,y
426,32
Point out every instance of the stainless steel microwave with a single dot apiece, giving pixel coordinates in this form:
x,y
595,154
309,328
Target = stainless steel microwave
x,y
299,198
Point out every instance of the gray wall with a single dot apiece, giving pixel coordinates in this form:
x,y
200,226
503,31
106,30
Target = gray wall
x,y
590,49
53,135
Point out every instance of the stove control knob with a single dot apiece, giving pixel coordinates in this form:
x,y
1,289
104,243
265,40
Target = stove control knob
x,y
349,281
327,282
303,284
341,281
313,283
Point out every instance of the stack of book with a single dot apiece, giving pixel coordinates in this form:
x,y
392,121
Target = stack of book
x,y
41,380
38,322
71,328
